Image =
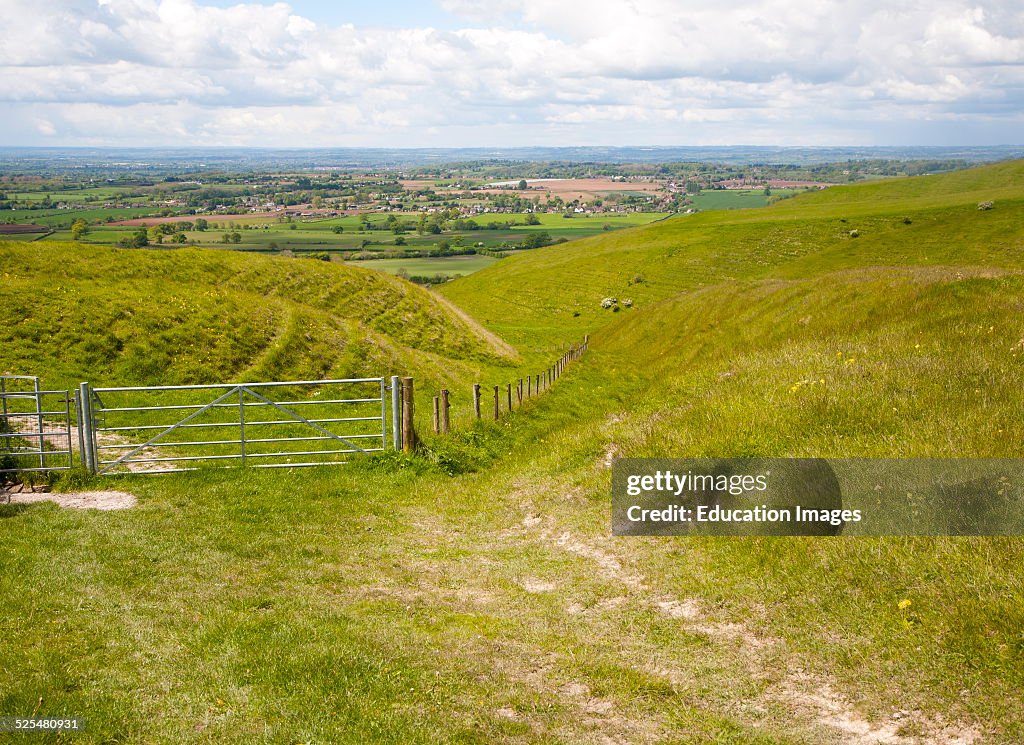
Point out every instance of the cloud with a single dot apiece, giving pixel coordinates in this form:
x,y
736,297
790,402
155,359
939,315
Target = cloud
x,y
663,71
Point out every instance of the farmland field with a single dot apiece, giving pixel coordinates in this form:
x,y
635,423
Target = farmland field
x,y
732,199
263,234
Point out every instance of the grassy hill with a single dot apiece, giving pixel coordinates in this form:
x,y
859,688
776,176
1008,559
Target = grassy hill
x,y
127,317
393,602
540,297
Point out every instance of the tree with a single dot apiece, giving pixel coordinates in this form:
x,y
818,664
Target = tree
x,y
201,224
236,237
536,240
523,186
79,228
138,239
156,235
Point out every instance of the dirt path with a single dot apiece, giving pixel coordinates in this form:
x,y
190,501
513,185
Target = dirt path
x,y
812,700
59,441
499,345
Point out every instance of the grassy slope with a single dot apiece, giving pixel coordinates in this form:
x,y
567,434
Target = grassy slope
x,y
532,298
383,605
777,333
190,316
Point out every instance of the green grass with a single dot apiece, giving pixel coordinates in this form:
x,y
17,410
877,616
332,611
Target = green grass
x,y
120,316
262,234
732,199
471,593
451,265
58,218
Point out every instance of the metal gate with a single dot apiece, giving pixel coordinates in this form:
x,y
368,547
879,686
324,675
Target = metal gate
x,y
35,426
160,429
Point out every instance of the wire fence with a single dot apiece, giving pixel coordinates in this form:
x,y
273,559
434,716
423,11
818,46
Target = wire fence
x,y
281,424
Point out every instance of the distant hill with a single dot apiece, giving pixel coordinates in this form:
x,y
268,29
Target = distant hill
x,y
120,316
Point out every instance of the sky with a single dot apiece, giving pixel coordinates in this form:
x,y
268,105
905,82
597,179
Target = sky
x,y
505,73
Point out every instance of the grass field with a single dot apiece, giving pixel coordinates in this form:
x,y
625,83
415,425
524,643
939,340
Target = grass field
x,y
451,265
471,592
731,199
268,235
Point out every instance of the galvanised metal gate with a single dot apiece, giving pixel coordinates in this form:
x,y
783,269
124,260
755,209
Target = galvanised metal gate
x,y
35,426
160,429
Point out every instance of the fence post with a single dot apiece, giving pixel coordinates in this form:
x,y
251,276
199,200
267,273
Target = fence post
x,y
508,387
476,399
408,427
497,413
437,415
445,421
85,427
519,391
396,412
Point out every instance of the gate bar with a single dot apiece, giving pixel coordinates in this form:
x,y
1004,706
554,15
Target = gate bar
x,y
234,385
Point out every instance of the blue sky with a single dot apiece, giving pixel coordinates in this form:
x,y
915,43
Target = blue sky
x,y
502,73
396,14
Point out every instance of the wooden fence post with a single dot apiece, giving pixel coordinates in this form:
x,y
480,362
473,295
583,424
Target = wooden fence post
x,y
445,420
408,428
497,413
509,388
519,391
476,399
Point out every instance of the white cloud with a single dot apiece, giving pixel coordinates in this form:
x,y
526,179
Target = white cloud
x,y
659,71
